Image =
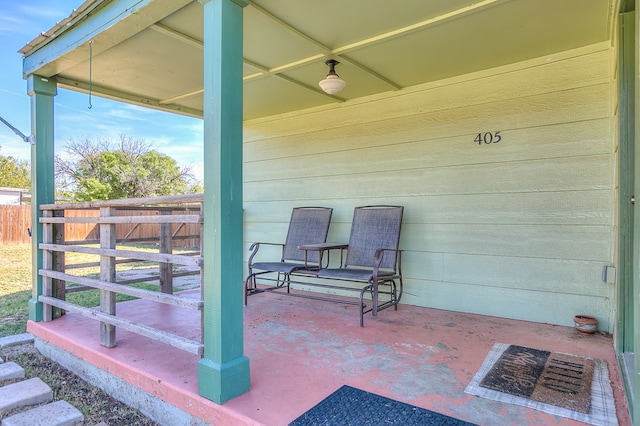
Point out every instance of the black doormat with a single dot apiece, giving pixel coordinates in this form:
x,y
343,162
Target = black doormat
x,y
550,377
354,407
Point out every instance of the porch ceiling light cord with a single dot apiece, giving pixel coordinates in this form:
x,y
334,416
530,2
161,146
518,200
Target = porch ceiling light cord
x,y
28,139
332,83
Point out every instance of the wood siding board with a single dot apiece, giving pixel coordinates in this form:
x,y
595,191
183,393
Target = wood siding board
x,y
565,174
511,303
587,137
589,207
588,243
543,275
543,209
421,292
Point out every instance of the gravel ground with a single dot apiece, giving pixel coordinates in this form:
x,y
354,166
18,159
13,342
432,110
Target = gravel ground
x,y
96,405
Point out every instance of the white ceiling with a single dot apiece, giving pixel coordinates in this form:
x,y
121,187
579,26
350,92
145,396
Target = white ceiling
x,y
154,57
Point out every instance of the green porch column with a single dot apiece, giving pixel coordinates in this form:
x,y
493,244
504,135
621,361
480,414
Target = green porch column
x,y
41,90
634,398
223,373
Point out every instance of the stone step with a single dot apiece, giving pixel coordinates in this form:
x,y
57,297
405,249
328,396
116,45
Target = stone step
x,y
11,370
21,394
16,339
59,413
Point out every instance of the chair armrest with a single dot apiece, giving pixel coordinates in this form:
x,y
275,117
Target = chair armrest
x,y
322,247
379,255
256,246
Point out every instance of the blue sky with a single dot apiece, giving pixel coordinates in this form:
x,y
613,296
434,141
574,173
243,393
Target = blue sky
x,y
20,22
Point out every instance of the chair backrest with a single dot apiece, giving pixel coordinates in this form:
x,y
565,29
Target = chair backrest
x,y
374,227
308,225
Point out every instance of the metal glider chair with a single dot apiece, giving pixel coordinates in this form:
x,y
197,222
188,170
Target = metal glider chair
x,y
308,225
372,257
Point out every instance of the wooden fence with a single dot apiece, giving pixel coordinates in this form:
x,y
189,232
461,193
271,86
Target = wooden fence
x,y
172,214
16,223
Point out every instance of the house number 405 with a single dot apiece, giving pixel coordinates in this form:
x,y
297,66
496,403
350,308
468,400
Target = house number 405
x,y
487,138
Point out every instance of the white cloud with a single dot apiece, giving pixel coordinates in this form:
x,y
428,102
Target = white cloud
x,y
125,114
12,146
197,170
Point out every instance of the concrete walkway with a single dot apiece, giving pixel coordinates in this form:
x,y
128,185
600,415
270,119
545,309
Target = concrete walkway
x,y
32,396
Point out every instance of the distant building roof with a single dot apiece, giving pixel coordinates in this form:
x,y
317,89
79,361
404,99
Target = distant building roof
x,y
10,189
14,195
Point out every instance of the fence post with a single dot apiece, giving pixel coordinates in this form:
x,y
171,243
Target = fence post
x,y
201,241
107,273
166,246
47,264
59,286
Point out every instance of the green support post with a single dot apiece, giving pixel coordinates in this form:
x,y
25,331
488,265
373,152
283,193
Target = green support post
x,y
223,372
41,90
634,330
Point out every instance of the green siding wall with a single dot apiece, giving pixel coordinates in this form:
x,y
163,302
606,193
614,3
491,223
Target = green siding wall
x,y
518,229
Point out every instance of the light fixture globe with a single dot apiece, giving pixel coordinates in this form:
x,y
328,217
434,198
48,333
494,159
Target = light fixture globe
x,y
332,83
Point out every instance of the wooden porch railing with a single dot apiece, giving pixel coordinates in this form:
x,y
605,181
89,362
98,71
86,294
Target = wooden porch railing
x,y
170,212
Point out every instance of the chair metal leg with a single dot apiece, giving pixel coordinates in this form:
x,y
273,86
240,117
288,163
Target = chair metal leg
x,y
246,285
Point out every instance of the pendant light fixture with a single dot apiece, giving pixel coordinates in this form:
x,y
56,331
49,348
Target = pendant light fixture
x,y
332,83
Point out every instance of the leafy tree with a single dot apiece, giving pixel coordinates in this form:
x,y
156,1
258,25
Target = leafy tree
x,y
100,170
14,173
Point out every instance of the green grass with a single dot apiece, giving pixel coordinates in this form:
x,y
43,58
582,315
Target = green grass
x,y
13,313
15,285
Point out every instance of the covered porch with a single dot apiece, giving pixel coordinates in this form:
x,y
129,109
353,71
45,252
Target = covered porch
x,y
504,127
303,350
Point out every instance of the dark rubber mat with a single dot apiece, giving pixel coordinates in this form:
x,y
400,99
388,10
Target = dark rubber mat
x,y
349,406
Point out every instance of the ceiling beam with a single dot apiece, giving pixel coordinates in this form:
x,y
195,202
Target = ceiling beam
x,y
418,26
117,95
311,88
368,70
326,50
177,35
180,96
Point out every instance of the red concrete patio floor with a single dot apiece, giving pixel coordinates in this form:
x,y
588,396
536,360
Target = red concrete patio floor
x,y
301,351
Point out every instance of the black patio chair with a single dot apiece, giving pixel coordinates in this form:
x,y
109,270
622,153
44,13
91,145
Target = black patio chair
x,y
308,225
